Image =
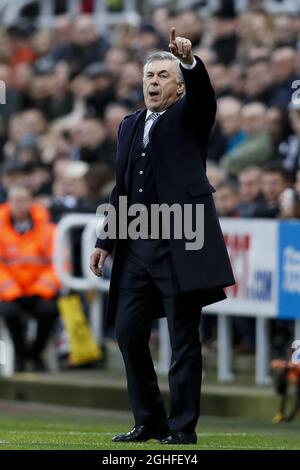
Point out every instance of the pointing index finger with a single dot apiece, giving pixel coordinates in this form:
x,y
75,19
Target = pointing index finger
x,y
172,35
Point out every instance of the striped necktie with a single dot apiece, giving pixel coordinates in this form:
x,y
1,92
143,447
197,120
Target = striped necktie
x,y
152,118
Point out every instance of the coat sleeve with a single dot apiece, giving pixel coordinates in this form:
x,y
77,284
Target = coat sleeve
x,y
107,244
200,97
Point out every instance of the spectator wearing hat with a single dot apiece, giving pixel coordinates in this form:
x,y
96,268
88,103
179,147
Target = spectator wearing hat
x,y
21,50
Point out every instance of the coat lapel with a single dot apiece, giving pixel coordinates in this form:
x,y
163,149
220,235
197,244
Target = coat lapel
x,y
129,128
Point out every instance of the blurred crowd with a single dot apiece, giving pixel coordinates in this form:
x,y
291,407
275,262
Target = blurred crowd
x,y
69,86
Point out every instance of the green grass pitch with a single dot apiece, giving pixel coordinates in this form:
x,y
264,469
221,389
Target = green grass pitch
x,y
37,427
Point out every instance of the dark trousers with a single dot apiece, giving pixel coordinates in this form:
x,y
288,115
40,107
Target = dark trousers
x,y
15,315
147,287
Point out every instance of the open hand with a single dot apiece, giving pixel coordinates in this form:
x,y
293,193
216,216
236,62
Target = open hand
x,y
97,261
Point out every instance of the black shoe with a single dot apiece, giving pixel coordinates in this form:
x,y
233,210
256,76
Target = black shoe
x,y
178,437
142,433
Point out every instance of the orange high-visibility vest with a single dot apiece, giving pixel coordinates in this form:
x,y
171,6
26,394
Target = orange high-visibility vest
x,y
26,265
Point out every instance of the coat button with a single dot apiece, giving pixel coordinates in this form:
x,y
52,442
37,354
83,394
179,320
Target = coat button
x,y
141,172
140,190
143,154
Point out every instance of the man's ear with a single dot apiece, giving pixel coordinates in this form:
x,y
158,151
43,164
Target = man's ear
x,y
180,89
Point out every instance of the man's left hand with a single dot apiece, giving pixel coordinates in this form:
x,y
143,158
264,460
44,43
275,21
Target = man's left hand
x,y
181,48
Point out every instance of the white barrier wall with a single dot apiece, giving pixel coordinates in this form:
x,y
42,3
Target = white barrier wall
x,y
265,256
252,247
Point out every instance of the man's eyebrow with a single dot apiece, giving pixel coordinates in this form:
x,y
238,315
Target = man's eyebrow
x,y
161,71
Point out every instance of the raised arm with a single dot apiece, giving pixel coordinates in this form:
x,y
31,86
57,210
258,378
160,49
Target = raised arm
x,y
200,95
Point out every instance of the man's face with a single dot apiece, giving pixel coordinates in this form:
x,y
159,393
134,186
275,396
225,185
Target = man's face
x,y
160,87
226,201
20,204
283,65
249,185
230,120
84,32
272,186
252,121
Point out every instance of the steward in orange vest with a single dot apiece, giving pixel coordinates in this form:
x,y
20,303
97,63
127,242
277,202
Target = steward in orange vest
x,y
28,282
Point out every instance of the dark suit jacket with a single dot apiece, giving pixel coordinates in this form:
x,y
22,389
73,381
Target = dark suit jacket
x,y
178,144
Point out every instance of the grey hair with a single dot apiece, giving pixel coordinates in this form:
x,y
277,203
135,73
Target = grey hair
x,y
163,55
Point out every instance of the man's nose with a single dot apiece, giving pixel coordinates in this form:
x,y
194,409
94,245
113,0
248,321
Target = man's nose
x,y
154,80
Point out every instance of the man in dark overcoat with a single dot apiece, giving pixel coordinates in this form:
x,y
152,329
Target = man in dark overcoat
x,y
161,160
